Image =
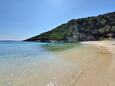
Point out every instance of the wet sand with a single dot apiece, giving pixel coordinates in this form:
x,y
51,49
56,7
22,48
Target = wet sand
x,y
91,64
98,69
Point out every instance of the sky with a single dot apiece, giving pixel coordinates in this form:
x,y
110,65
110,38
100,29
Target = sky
x,y
21,19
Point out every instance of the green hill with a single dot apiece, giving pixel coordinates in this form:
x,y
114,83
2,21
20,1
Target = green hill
x,y
82,29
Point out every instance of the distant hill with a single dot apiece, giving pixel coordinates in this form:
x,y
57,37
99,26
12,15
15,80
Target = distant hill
x,y
82,29
8,41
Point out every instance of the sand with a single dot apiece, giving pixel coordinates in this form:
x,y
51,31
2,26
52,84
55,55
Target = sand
x,y
91,64
96,64
103,74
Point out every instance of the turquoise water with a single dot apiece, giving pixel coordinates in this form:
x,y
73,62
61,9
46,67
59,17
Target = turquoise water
x,y
33,64
21,48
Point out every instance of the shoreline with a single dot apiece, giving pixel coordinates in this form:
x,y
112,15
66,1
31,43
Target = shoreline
x,y
108,44
86,65
98,66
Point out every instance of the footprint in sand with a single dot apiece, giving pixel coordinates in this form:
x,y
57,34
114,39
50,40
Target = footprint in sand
x,y
108,83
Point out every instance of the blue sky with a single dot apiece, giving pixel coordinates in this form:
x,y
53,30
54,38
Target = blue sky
x,y
20,19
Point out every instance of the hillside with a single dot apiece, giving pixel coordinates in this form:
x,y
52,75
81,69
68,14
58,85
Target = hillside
x,y
82,29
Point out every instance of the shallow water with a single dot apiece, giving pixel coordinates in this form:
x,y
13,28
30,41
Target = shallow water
x,y
33,64
36,64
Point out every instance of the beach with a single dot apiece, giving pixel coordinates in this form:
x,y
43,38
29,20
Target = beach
x,y
97,69
87,64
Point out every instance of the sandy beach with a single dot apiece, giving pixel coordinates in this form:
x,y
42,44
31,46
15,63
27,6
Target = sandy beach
x,y
110,45
96,65
102,74
90,64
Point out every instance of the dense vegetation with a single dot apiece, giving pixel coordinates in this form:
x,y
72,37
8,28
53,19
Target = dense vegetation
x,y
83,29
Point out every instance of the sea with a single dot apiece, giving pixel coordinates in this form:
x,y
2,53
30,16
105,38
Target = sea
x,y
35,64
